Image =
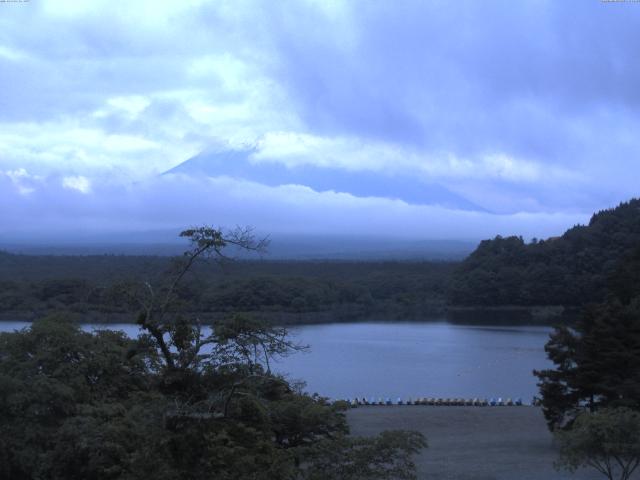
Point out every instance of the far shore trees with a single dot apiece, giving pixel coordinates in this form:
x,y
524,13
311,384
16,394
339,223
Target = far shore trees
x,y
570,270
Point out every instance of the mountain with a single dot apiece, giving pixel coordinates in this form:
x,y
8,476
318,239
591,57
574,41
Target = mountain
x,y
405,187
571,270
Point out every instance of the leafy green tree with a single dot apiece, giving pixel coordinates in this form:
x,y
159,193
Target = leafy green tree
x,y
597,362
180,401
57,384
607,440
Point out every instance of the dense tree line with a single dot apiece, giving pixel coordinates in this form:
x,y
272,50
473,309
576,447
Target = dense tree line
x,y
97,285
569,270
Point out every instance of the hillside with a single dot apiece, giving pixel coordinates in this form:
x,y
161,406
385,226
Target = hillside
x,y
569,270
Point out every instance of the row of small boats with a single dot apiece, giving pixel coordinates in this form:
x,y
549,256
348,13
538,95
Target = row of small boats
x,y
471,402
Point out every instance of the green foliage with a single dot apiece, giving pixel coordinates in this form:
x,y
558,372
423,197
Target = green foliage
x,y
597,362
292,291
569,270
607,440
176,402
388,456
58,383
96,406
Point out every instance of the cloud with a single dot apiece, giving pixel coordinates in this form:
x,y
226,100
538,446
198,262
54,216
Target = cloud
x,y
524,109
79,183
11,54
545,84
21,180
353,153
75,206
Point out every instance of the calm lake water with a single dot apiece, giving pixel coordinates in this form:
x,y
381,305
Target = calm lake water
x,y
436,359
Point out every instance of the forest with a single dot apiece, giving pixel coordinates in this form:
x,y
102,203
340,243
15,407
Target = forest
x,y
569,271
283,291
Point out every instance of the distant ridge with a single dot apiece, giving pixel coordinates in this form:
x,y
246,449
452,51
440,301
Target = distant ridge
x,y
570,270
238,164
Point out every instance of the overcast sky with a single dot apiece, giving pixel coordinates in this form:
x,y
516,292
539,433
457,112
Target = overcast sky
x,y
529,110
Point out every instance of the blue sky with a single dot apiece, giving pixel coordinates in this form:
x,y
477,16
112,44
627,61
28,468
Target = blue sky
x,y
529,110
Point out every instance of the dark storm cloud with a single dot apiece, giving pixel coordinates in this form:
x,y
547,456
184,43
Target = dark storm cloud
x,y
464,75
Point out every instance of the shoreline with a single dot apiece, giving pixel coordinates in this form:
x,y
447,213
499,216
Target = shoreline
x,y
506,315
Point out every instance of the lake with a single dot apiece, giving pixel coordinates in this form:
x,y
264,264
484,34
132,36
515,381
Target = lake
x,y
431,359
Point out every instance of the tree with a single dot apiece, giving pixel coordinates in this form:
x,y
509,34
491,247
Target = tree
x,y
178,340
597,362
180,401
388,456
69,402
607,440
569,270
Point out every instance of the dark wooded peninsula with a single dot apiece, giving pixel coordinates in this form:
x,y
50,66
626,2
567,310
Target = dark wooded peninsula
x,y
570,270
525,281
